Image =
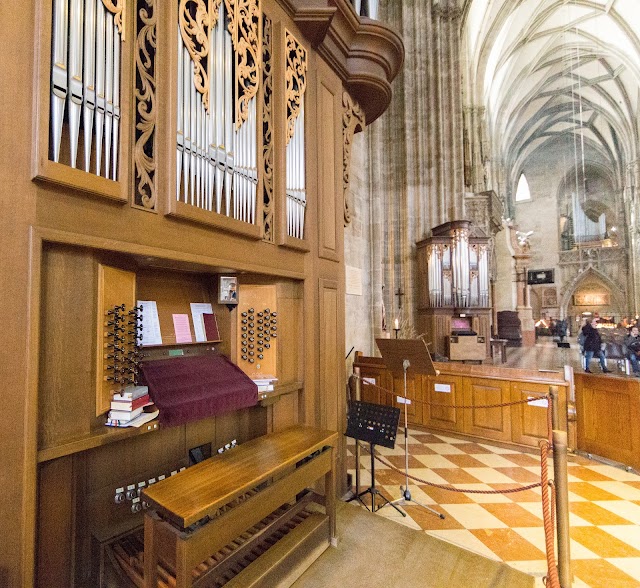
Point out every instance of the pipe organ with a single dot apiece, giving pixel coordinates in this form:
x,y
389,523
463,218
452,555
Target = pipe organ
x,y
85,84
217,134
295,87
454,269
197,112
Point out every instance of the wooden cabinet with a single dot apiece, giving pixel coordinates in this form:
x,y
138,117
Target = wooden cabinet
x,y
608,413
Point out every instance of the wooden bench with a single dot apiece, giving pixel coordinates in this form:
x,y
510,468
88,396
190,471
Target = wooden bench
x,y
204,509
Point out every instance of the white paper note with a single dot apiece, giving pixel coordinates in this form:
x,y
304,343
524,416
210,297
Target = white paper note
x,y
197,310
182,328
150,323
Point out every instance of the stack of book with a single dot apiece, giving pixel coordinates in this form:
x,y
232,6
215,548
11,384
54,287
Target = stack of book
x,y
131,408
265,384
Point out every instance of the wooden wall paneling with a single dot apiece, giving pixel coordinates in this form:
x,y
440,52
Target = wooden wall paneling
x,y
443,390
291,341
200,432
529,422
115,287
67,345
491,423
56,513
64,175
328,99
331,369
284,412
609,418
111,464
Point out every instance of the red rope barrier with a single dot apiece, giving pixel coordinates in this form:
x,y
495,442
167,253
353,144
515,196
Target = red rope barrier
x,y
552,579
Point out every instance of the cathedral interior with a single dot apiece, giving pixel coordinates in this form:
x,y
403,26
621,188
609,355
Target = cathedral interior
x,y
263,262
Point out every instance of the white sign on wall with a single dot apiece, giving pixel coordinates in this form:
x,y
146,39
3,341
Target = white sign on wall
x,y
353,280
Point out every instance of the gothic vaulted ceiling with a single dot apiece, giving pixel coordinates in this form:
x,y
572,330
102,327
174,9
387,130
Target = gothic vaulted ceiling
x,y
546,69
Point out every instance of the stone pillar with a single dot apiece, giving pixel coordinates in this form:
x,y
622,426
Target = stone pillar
x,y
522,258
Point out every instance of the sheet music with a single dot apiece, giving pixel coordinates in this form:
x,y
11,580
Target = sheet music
x,y
182,328
197,310
150,323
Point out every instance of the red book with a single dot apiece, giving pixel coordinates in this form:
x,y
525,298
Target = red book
x,y
211,327
130,405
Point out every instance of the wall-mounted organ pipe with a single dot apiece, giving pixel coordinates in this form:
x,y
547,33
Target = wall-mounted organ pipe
x,y
85,84
217,131
296,82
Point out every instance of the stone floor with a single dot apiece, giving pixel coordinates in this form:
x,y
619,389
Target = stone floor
x,y
604,500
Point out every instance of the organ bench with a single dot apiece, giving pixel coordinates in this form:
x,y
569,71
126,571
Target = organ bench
x,y
207,523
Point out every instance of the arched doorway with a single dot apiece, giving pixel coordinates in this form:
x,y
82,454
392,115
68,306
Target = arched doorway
x,y
591,292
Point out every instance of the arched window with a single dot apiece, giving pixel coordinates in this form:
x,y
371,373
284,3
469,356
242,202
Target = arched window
x,y
523,192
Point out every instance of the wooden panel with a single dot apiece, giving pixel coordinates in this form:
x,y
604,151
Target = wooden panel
x,y
67,378
331,386
608,412
55,524
290,366
327,187
492,423
449,392
116,287
256,307
529,423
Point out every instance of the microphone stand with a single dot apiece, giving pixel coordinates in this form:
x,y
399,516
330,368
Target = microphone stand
x,y
406,493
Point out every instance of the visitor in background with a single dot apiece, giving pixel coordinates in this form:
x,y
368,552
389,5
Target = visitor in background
x,y
593,346
561,328
632,343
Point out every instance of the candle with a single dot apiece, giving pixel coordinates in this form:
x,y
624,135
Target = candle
x,y
397,324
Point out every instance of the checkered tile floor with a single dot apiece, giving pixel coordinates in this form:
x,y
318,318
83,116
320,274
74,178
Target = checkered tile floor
x,y
604,504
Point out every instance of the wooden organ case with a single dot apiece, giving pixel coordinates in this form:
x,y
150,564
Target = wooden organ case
x,y
222,154
454,307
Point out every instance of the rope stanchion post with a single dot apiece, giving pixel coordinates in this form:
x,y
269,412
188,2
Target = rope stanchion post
x,y
555,414
562,506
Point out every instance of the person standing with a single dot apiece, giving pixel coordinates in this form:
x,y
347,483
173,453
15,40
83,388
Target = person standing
x,y
632,343
561,328
593,346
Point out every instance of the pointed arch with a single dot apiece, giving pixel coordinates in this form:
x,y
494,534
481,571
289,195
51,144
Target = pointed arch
x,y
523,193
617,291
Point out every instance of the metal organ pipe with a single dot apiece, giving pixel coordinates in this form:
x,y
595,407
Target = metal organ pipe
x,y
296,188
215,159
59,74
86,67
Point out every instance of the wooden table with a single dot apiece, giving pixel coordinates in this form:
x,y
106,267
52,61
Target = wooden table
x,y
499,345
200,491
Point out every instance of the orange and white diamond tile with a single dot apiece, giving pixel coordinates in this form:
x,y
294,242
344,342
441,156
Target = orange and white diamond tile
x,y
604,504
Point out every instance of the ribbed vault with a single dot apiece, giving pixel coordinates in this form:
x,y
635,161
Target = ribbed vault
x,y
549,69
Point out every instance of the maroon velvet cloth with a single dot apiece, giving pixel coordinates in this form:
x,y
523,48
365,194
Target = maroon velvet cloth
x,y
191,388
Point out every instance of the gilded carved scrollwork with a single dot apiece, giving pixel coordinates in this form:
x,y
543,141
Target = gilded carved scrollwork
x,y
195,23
352,120
267,131
146,113
117,8
296,80
247,55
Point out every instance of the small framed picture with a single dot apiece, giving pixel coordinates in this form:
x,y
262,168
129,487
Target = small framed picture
x,y
228,290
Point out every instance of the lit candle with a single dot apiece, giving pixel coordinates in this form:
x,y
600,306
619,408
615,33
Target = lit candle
x,y
397,324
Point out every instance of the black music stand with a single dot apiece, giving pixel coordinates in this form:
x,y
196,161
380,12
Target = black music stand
x,y
401,356
377,425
